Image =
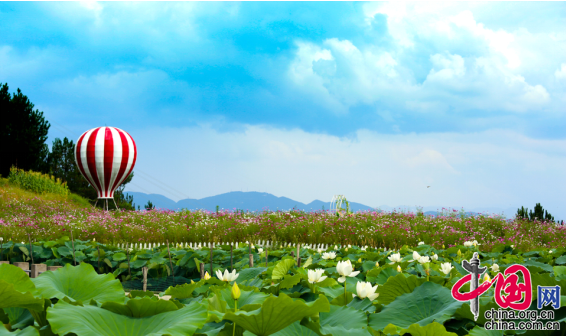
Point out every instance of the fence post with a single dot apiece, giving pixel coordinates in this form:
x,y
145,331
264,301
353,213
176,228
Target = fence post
x,y
36,269
231,255
202,270
144,271
170,263
24,266
211,251
251,260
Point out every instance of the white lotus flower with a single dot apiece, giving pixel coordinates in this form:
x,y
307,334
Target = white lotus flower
x,y
416,256
364,248
335,247
227,276
399,268
395,258
259,250
421,243
495,268
328,255
468,243
475,243
446,268
434,257
316,275
2,239
365,289
345,268
319,250
424,260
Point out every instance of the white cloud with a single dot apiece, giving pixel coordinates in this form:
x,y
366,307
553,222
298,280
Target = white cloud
x,y
495,168
490,69
561,73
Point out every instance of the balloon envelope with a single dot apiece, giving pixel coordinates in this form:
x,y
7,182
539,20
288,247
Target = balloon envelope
x,y
105,156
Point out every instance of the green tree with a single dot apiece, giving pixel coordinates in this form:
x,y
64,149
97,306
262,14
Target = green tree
x,y
149,205
23,133
539,214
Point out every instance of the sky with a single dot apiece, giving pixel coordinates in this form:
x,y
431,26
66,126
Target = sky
x,y
452,104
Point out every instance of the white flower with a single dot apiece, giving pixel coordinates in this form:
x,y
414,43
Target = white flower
x,y
475,242
365,289
512,246
206,276
227,276
259,250
421,243
395,258
319,250
344,268
424,260
486,277
434,257
550,251
363,248
328,255
399,268
2,239
416,256
468,243
446,268
316,275
335,247
494,268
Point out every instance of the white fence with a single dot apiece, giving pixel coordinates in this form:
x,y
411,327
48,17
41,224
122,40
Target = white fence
x,y
268,244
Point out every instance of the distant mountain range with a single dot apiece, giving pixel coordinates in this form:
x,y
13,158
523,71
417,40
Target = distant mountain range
x,y
258,201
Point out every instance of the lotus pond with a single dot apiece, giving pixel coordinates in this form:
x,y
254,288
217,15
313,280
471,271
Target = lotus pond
x,y
342,291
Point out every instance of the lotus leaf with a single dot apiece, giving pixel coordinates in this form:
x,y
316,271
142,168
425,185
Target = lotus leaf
x,y
29,331
277,313
94,321
427,303
79,283
140,307
282,268
183,291
249,274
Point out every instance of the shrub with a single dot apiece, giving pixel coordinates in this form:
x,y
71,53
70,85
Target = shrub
x,y
37,182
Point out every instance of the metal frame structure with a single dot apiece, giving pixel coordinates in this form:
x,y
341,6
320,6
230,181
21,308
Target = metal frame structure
x,y
336,203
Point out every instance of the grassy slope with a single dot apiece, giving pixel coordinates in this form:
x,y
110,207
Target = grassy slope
x,y
10,193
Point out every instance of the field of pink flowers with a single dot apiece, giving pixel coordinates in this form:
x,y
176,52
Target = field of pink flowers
x,y
49,218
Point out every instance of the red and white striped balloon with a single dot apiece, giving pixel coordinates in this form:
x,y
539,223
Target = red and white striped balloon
x,y
105,156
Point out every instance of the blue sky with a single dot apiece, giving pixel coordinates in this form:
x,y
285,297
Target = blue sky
x,y
375,101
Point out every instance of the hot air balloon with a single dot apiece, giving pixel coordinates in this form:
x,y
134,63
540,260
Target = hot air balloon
x,y
105,156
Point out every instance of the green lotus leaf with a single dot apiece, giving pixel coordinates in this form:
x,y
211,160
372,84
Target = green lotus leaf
x,y
345,317
396,286
140,307
295,329
432,329
559,272
246,297
119,256
79,283
183,291
277,313
94,321
363,305
29,331
140,293
17,277
427,303
19,318
479,331
290,280
249,274
331,292
533,265
16,289
282,268
561,260
384,275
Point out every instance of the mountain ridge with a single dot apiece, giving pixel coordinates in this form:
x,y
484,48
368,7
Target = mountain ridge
x,y
258,201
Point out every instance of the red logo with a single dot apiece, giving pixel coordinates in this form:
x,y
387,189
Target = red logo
x,y
516,295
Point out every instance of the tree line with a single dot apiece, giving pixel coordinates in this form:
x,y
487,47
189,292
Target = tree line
x,y
23,137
